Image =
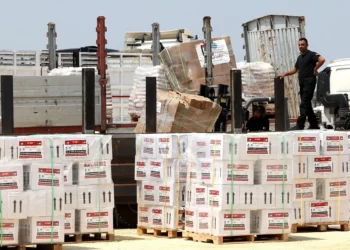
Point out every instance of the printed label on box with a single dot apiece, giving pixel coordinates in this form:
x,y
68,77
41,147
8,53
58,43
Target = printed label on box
x,y
8,231
30,150
220,53
200,196
141,169
334,144
203,221
46,177
147,148
157,217
96,220
205,170
215,146
67,221
8,180
47,230
95,170
306,144
258,146
200,149
164,194
143,214
338,189
278,221
189,218
148,192
319,209
239,172
155,168
323,165
214,198
276,173
304,190
235,222
75,148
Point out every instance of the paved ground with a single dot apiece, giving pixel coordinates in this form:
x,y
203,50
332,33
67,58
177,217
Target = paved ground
x,y
128,239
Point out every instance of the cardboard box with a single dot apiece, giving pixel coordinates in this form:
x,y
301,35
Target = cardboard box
x,y
300,167
204,220
270,221
43,176
298,213
171,217
68,173
143,216
11,178
331,166
247,197
92,172
30,149
273,172
69,222
306,143
167,146
326,211
157,217
42,230
205,171
14,205
223,196
236,173
71,197
191,220
2,150
196,195
49,202
304,190
226,222
94,220
334,143
284,196
166,170
332,189
148,192
93,196
221,146
146,146
10,232
275,196
170,194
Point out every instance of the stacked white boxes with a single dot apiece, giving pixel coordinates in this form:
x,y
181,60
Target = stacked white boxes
x,y
38,194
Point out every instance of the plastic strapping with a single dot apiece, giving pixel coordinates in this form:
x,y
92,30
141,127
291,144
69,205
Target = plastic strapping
x,y
52,188
178,185
212,185
99,183
300,178
339,168
232,156
283,179
171,73
182,63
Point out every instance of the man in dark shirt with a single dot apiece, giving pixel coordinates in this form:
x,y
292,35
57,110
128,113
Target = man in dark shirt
x,y
307,66
258,122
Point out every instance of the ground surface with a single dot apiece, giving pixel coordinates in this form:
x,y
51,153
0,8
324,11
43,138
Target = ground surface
x,y
128,239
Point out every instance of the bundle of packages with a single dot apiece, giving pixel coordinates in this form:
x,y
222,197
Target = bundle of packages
x,y
258,81
182,113
184,64
137,97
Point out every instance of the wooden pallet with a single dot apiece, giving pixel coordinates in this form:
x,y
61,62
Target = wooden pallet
x,y
33,246
247,238
90,237
321,226
168,233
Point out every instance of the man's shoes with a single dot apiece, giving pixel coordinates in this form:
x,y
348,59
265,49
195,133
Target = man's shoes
x,y
296,128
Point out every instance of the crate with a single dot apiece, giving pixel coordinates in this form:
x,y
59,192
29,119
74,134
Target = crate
x,y
89,237
166,233
321,226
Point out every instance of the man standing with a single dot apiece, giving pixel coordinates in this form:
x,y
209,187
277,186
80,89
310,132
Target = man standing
x,y
307,66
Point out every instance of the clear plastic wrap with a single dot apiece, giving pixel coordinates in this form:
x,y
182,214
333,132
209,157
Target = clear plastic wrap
x,y
182,113
263,183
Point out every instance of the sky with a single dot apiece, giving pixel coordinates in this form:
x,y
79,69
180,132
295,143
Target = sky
x,y
24,23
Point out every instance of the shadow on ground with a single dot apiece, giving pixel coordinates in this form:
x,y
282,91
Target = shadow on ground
x,y
296,237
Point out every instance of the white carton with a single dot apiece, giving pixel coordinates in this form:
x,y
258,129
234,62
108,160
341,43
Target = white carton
x,y
226,222
300,167
93,196
14,205
30,149
266,196
43,176
205,171
331,166
196,195
270,221
69,221
68,173
237,173
49,203
148,192
224,146
42,230
248,195
10,232
326,211
157,217
304,190
163,170
284,196
167,194
11,178
334,143
273,172
171,217
333,189
298,213
71,197
191,220
141,170
143,216
223,196
94,220
2,149
92,172
146,146
204,218
306,143
167,146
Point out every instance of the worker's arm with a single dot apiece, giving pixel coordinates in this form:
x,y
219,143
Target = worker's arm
x,y
289,73
320,62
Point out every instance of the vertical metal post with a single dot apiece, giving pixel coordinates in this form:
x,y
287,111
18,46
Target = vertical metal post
x,y
208,56
156,43
51,46
280,115
7,110
151,104
88,105
76,59
236,102
102,67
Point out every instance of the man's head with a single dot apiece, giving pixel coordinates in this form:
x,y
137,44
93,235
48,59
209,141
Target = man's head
x,y
303,45
259,112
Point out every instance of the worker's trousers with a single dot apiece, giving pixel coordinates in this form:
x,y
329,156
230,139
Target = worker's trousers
x,y
307,88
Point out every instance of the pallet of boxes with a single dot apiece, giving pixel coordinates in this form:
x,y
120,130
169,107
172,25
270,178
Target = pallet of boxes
x,y
33,195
